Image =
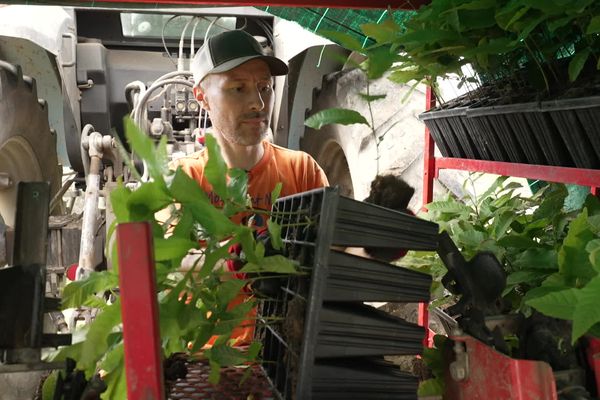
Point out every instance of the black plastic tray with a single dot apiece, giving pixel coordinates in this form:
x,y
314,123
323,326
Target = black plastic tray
x,y
362,378
355,329
578,122
299,327
353,278
443,134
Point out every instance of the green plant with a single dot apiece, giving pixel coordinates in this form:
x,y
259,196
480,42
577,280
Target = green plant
x,y
498,38
550,254
193,306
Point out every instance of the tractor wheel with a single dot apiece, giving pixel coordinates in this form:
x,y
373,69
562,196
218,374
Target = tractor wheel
x,y
27,145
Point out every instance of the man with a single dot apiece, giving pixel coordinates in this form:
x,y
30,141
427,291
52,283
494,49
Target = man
x,y
234,83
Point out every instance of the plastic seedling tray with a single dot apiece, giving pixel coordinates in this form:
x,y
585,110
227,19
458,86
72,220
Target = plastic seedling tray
x,y
578,123
353,278
529,142
300,326
362,378
453,119
442,133
438,137
550,140
531,129
479,140
355,329
484,126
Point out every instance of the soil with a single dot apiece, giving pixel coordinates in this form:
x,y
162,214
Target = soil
x,y
293,332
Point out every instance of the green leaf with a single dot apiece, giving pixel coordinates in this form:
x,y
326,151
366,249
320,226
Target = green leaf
x,y
49,386
383,32
149,198
573,262
335,116
592,203
371,98
116,384
144,146
450,206
526,276
502,223
276,192
558,304
472,238
379,61
276,264
517,241
228,291
593,247
96,344
216,168
118,201
560,22
577,64
77,293
537,258
275,234
594,25
237,187
406,75
233,318
226,355
587,312
187,191
345,40
431,387
114,358
172,248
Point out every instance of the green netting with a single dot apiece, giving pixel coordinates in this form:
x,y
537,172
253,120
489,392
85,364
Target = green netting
x,y
338,19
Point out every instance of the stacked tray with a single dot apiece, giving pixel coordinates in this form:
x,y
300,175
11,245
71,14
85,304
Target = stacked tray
x,y
562,132
320,341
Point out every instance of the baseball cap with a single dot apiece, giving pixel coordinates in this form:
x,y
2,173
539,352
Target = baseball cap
x,y
227,50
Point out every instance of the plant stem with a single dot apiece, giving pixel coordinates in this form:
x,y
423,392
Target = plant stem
x,y
373,127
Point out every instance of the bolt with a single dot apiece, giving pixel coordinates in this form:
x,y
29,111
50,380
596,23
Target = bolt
x,y
5,181
458,372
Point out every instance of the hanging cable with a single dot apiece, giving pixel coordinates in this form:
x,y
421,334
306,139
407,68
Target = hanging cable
x,y
162,36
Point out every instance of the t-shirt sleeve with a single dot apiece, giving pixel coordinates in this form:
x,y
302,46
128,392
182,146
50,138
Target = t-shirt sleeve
x,y
313,176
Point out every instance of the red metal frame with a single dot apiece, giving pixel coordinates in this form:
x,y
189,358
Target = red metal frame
x,y
577,176
137,283
492,375
394,4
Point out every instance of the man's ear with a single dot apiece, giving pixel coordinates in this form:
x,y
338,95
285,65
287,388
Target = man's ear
x,y
201,97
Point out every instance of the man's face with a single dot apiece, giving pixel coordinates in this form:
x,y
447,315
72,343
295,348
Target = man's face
x,y
240,102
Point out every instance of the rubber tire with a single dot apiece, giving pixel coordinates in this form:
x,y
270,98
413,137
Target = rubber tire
x,y
329,145
27,145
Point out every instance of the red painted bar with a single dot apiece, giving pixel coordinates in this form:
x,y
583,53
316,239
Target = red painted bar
x,y
137,283
429,173
489,374
394,4
577,176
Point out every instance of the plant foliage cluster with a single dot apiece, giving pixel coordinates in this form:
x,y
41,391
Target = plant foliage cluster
x,y
551,254
194,305
498,38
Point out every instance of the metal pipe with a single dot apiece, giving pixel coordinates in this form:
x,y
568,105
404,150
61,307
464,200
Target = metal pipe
x,y
90,216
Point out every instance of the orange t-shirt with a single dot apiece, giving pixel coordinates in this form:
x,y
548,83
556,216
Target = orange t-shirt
x,y
296,170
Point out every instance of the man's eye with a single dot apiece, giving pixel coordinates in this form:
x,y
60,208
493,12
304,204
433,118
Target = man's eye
x,y
266,89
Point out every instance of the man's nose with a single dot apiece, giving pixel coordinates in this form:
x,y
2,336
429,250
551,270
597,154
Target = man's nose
x,y
257,103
